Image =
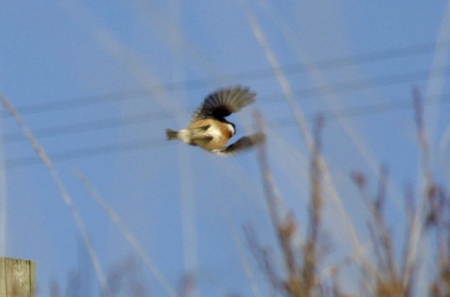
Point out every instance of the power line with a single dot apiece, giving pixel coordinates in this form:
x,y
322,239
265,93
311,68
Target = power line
x,y
89,126
160,142
366,110
303,94
249,75
88,152
150,117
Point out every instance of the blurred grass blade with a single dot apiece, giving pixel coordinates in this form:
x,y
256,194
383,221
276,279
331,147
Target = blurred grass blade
x,y
62,190
127,234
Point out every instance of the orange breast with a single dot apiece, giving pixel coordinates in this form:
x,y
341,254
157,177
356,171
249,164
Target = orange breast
x,y
218,131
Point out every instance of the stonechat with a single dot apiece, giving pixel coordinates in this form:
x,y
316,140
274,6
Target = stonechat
x,y
210,130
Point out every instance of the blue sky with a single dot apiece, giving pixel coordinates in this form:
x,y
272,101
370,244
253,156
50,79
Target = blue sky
x,y
100,81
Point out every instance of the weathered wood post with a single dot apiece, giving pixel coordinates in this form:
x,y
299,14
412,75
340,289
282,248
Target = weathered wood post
x,y
17,278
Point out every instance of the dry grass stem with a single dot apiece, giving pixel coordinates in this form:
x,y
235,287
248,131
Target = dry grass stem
x,y
300,277
114,217
62,190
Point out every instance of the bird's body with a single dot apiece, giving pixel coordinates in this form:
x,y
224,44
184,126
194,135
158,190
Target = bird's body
x,y
206,133
210,130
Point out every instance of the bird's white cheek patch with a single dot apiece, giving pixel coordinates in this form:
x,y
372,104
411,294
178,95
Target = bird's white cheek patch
x,y
231,128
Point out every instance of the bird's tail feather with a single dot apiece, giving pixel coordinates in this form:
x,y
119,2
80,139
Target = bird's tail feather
x,y
171,134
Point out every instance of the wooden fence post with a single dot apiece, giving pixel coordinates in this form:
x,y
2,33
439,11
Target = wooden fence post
x,y
17,278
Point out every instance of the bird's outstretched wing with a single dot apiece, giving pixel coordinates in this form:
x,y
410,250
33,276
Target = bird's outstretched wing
x,y
241,144
224,102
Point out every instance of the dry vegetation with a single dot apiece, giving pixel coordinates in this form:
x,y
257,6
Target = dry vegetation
x,y
384,274
299,271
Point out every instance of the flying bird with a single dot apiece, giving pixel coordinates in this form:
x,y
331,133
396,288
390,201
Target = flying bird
x,y
210,130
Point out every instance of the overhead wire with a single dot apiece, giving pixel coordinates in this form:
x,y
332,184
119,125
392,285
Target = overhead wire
x,y
301,94
376,56
160,141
